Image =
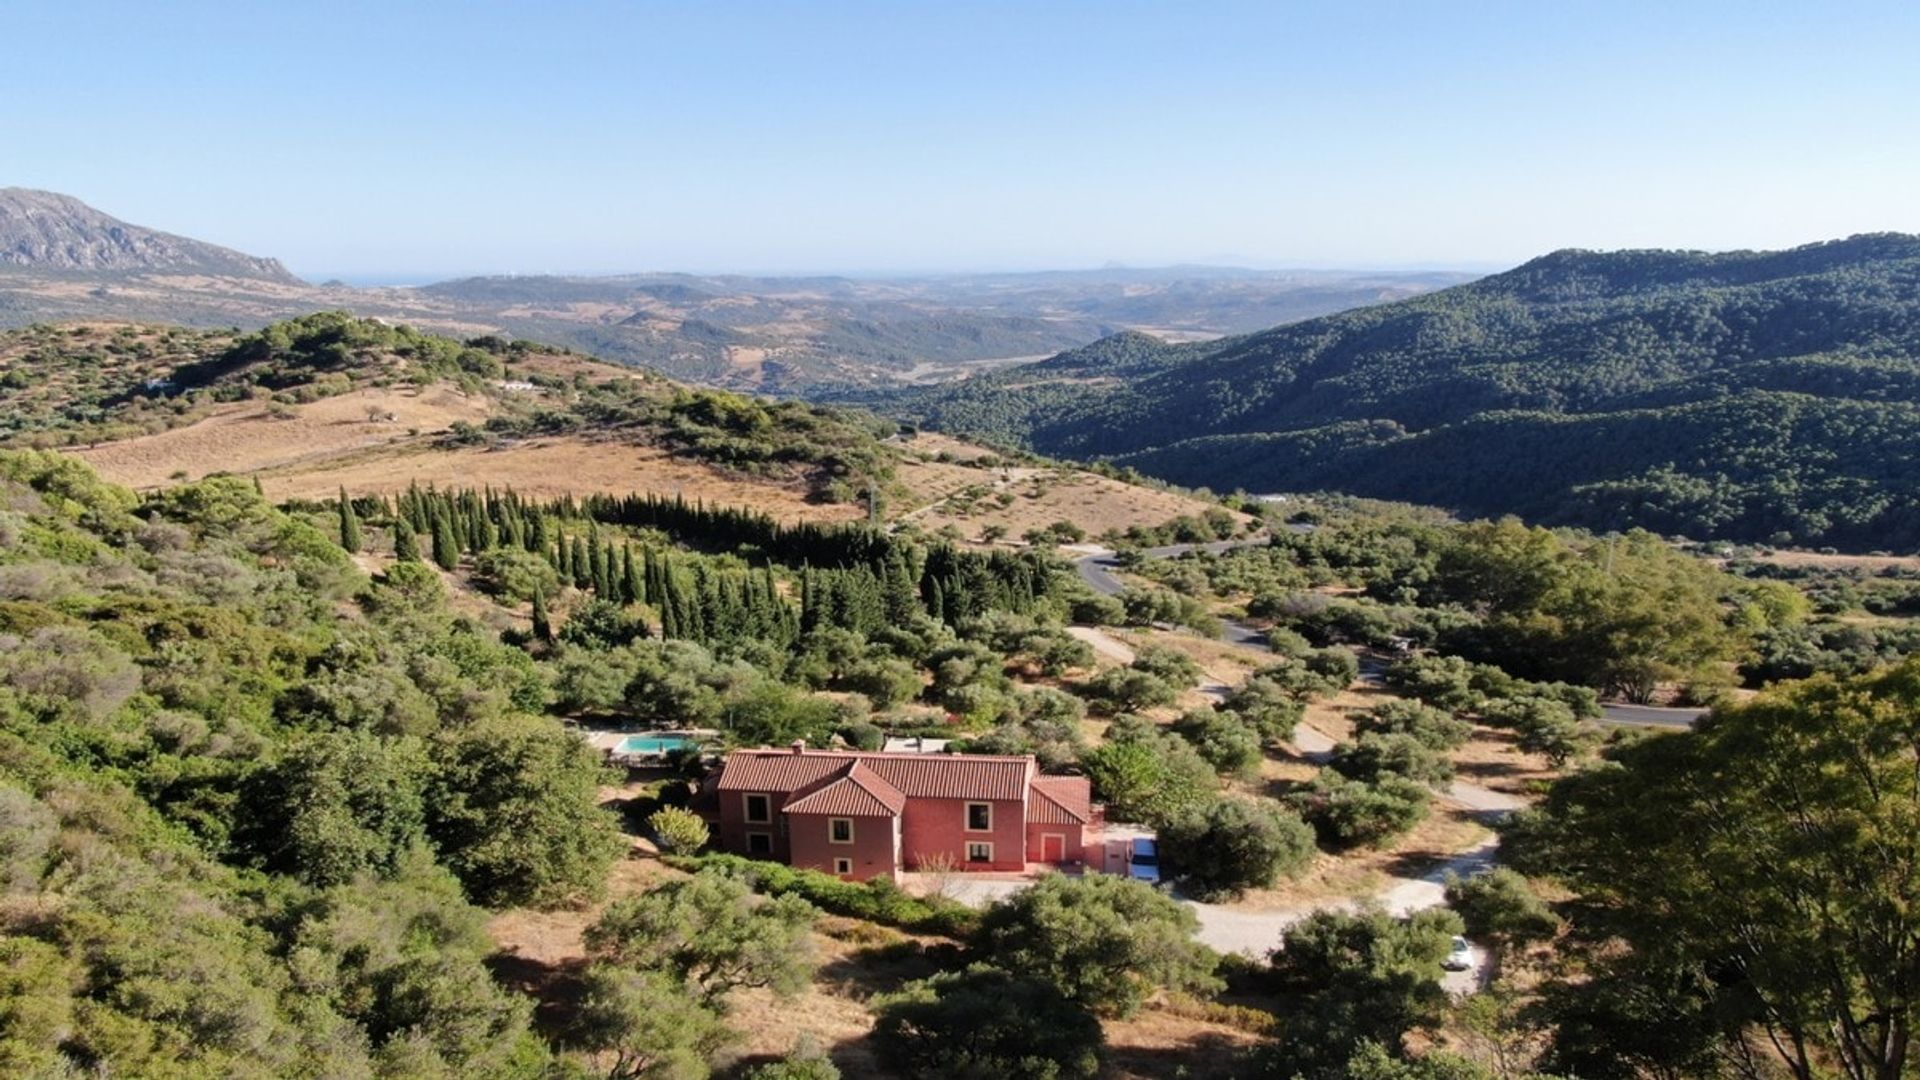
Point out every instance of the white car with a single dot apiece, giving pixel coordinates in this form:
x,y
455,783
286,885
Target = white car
x,y
1460,957
1143,861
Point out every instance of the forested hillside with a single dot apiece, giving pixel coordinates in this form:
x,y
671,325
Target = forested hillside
x,y
1745,395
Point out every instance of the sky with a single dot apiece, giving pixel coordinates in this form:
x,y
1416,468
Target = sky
x,y
411,140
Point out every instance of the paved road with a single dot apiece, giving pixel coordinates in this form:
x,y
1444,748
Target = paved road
x,y
1098,565
1650,716
1257,932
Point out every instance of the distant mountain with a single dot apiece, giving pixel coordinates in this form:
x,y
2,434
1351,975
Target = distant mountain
x,y
814,336
46,231
1757,395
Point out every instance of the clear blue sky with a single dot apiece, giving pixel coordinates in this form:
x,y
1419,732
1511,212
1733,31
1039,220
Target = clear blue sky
x,y
437,138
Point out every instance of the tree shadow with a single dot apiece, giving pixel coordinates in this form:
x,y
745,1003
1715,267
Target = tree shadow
x,y
883,969
556,989
1206,1056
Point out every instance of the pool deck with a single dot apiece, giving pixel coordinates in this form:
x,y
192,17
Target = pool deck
x,y
608,740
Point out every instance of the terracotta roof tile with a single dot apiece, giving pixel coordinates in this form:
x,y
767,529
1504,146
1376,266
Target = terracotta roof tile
x,y
858,792
1061,800
916,776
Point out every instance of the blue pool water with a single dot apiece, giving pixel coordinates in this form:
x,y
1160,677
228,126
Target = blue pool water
x,y
651,744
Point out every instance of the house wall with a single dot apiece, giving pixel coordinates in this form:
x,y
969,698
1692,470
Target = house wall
x,y
938,827
871,851
732,835
1073,844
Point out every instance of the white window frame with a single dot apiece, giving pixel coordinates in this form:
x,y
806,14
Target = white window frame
x,y
769,838
968,822
746,807
833,821
843,866
972,844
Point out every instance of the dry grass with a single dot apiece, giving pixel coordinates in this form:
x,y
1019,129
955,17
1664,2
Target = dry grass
x,y
1493,760
1871,563
1157,1044
546,468
1034,498
245,438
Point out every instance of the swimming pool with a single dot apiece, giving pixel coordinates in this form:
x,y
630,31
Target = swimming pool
x,y
652,744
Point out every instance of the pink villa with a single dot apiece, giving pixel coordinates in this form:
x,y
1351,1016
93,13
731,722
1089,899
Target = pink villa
x,y
866,815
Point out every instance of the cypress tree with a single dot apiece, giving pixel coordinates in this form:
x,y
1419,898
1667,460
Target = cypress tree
x,y
406,545
350,537
582,564
542,628
634,582
446,548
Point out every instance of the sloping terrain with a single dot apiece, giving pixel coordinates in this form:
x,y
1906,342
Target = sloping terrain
x,y
1768,395
325,402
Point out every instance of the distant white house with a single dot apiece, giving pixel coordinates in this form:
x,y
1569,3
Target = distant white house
x,y
915,745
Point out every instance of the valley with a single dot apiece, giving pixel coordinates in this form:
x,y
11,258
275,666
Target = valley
x,y
802,336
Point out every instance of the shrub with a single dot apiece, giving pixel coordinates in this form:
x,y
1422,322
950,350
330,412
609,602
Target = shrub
x,y
1234,845
1267,706
1501,905
805,1063
679,832
1103,941
647,1023
863,735
1350,813
1228,743
711,933
1335,666
1348,980
1130,690
1545,725
1375,756
1170,665
1152,778
514,575
601,624
1095,609
1432,727
878,900
985,1022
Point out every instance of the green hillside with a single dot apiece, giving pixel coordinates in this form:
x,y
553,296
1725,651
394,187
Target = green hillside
x,y
1750,395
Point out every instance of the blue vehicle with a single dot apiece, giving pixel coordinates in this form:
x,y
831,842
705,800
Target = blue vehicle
x,y
1143,860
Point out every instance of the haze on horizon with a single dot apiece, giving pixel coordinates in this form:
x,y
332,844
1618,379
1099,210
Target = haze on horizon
x,y
372,142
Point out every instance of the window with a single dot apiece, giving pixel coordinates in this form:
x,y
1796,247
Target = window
x,y
979,817
759,809
843,866
978,852
759,843
840,830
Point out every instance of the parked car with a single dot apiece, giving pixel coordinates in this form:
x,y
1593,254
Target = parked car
x,y
1460,957
1143,860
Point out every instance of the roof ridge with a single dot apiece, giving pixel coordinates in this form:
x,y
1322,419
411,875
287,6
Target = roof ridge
x,y
855,770
912,755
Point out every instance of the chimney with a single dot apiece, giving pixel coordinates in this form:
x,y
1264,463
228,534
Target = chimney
x,y
799,746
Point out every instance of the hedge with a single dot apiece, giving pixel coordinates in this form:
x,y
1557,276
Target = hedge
x,y
878,900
